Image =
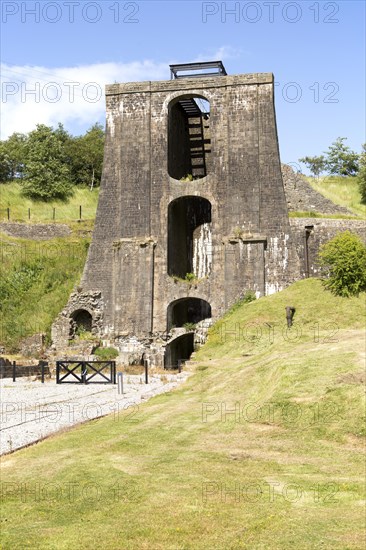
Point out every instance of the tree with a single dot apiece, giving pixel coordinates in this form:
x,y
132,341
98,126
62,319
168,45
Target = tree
x,y
343,260
86,156
47,175
93,143
341,160
362,174
5,166
12,157
316,165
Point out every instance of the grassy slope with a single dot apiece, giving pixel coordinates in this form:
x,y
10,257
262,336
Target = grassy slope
x,y
342,191
299,428
10,196
36,278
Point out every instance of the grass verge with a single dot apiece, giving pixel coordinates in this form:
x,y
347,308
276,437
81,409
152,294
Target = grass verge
x,y
19,206
261,448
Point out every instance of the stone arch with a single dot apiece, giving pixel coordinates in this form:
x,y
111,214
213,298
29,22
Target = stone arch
x,y
189,237
189,141
179,349
81,319
187,310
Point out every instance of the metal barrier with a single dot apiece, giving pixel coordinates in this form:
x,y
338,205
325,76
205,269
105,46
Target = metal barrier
x,y
83,372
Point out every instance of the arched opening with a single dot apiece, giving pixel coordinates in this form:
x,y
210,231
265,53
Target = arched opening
x,y
179,349
187,311
189,141
189,237
81,321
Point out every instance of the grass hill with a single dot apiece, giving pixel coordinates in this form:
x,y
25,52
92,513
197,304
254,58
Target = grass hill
x,y
45,212
36,277
263,446
343,191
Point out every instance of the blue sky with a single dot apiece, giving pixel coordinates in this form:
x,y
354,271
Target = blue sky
x,y
66,51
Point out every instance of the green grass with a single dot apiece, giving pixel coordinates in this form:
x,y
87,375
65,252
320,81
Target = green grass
x,y
342,191
11,197
311,214
36,278
285,471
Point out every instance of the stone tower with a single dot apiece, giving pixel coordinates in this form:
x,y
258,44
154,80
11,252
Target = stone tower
x,y
192,211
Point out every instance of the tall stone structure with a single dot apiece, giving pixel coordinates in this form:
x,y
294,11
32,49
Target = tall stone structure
x,y
192,212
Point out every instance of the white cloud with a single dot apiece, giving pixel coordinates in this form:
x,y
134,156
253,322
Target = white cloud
x,y
71,95
33,95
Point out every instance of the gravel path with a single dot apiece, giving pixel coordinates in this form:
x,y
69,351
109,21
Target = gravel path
x,y
31,411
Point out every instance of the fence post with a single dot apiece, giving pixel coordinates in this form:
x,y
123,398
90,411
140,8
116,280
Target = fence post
x,y
14,370
54,213
80,212
57,372
84,372
43,366
28,213
180,365
114,372
120,383
8,211
146,372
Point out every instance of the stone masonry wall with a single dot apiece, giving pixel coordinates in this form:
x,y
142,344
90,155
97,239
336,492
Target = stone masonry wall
x,y
320,231
37,232
62,328
301,197
250,240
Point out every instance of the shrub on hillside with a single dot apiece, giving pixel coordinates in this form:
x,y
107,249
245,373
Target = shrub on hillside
x,y
343,260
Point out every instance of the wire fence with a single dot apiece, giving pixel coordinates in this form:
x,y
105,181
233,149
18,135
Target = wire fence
x,y
47,213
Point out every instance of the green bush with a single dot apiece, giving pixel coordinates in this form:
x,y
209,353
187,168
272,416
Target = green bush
x,y
106,354
343,260
83,334
249,296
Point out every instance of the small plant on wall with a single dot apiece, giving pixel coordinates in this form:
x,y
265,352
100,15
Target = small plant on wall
x,y
190,277
188,177
83,334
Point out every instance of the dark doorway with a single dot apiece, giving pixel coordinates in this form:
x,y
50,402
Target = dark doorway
x,y
82,321
187,310
189,237
179,349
